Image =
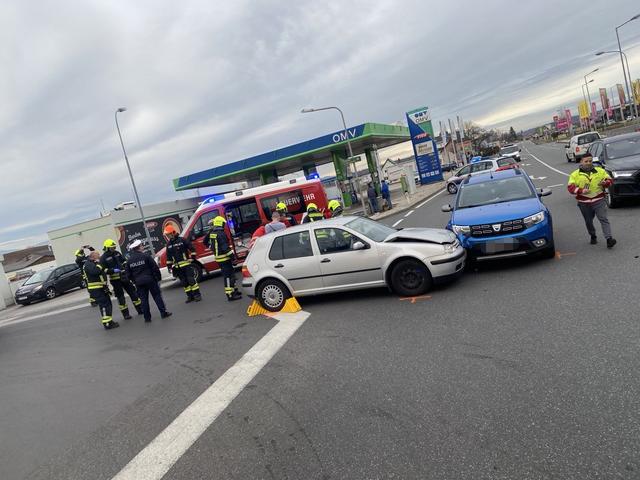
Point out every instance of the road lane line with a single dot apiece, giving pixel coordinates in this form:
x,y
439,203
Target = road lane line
x,y
397,223
15,320
408,213
157,458
431,198
558,185
546,164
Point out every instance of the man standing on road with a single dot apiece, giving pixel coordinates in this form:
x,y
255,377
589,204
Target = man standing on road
x,y
386,194
588,184
218,242
145,273
98,289
179,258
373,198
81,257
114,264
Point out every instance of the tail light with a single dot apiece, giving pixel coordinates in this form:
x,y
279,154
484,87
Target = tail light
x,y
577,149
245,272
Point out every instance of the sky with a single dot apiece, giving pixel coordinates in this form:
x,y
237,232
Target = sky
x,y
206,83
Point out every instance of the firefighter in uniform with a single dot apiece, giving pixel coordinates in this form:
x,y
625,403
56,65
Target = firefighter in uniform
x,y
218,243
114,264
313,214
335,207
98,289
288,220
81,257
179,258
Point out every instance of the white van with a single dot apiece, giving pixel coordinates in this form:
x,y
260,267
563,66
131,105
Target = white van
x,y
579,144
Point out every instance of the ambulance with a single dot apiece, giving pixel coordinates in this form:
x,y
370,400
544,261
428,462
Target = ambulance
x,y
245,211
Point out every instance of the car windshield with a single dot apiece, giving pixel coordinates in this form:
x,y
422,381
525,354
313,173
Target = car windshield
x,y
592,137
38,277
494,191
509,149
370,229
623,148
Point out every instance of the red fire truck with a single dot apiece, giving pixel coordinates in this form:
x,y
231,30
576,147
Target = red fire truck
x,y
245,211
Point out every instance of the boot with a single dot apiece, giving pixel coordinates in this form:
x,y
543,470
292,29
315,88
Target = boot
x,y
611,242
147,320
189,299
233,297
110,325
236,294
197,298
165,314
125,314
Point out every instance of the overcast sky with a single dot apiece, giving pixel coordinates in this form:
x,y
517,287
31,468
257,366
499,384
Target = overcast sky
x,y
208,82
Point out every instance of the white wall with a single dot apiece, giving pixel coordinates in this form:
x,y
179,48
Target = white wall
x,y
65,241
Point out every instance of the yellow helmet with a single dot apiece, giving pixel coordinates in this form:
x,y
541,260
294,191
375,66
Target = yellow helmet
x,y
333,204
109,243
80,252
281,207
312,207
218,221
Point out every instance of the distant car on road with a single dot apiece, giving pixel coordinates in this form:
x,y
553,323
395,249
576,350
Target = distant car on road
x,y
512,151
620,157
348,253
480,166
448,167
579,145
49,283
500,215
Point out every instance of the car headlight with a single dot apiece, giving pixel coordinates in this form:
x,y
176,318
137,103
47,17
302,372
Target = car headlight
x,y
461,229
534,219
622,173
451,247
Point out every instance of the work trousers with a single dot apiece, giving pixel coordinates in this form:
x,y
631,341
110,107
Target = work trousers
x,y
154,289
119,287
597,209
229,275
187,278
387,199
374,204
101,297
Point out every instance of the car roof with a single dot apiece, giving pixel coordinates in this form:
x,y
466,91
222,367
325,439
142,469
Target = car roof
x,y
495,175
624,136
334,222
585,133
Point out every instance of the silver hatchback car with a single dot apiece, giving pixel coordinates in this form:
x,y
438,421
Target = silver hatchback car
x,y
349,253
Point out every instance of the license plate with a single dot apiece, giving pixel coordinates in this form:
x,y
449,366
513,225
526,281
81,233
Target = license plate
x,y
500,246
22,298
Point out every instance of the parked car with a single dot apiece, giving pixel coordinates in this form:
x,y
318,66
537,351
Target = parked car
x,y
448,167
512,151
348,253
500,216
620,157
479,166
579,145
49,283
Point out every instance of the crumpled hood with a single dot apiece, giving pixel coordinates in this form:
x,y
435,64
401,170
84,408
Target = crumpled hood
x,y
431,235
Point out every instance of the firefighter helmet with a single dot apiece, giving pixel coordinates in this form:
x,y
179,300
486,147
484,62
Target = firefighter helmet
x,y
109,243
312,207
169,229
281,207
218,221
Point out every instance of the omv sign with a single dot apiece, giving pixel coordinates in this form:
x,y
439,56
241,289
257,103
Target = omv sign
x,y
344,135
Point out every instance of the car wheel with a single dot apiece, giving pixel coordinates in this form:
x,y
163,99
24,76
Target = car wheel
x,y
272,294
612,200
452,188
50,293
549,252
410,278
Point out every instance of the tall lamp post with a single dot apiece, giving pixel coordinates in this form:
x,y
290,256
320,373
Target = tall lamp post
x,y
135,190
628,72
586,84
346,135
584,97
635,17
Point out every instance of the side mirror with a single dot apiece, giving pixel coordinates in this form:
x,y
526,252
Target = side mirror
x,y
447,208
544,192
358,246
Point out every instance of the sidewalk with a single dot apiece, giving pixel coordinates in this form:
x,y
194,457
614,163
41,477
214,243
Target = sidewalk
x,y
400,201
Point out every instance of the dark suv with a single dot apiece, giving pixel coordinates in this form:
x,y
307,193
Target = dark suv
x,y
50,283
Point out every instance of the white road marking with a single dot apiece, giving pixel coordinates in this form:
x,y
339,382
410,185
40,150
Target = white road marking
x,y
157,458
537,178
546,164
15,320
397,223
408,213
430,198
558,185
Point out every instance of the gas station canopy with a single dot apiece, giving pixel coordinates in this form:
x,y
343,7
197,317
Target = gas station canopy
x,y
300,156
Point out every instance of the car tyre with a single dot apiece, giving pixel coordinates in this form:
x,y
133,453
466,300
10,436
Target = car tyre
x,y
272,294
410,278
50,293
452,188
612,200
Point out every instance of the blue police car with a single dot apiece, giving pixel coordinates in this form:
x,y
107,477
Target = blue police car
x,y
500,215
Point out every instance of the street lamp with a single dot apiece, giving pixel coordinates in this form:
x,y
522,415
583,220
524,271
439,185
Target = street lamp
x,y
628,72
586,84
346,135
135,190
584,97
635,17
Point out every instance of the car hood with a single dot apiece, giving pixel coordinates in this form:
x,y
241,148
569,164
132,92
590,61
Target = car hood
x,y
626,163
496,212
28,288
429,235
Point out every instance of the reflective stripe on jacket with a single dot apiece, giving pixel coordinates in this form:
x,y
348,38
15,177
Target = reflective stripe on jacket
x,y
179,252
218,243
95,276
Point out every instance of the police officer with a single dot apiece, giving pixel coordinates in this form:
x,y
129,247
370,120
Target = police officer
x,y
285,218
180,254
217,241
81,257
98,289
114,264
335,207
313,214
144,272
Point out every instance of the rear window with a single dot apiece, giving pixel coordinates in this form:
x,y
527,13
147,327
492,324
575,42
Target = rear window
x,y
509,150
505,161
624,148
591,137
294,245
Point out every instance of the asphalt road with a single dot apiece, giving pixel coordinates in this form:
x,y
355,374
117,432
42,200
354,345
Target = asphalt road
x,y
522,369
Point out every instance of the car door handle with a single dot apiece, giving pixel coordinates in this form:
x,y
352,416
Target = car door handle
x,y
325,260
279,265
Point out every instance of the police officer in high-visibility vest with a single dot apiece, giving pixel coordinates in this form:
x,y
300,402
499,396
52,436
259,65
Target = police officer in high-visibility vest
x,y
313,214
180,255
285,217
114,264
81,257
335,207
98,289
219,244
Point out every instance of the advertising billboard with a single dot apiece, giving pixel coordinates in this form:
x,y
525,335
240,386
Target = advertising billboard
x,y
620,88
135,231
424,146
583,109
635,85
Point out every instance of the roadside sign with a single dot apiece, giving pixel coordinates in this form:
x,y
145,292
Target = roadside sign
x,y
425,149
